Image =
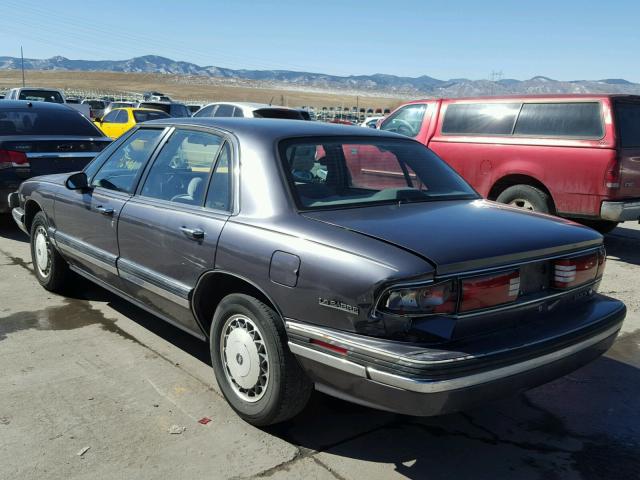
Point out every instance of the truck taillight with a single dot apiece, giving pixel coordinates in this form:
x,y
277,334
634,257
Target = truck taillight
x,y
490,290
572,272
11,158
612,175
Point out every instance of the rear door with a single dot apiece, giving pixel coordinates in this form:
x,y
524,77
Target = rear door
x,y
168,232
628,127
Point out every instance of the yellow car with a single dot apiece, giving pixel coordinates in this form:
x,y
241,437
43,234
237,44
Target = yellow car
x,y
119,120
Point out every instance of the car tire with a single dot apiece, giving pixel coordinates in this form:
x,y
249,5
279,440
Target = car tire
x,y
52,271
257,373
526,197
602,226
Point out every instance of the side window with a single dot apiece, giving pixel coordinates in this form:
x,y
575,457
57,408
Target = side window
x,y
406,121
122,117
122,170
206,111
181,169
582,120
111,117
237,112
480,118
219,194
224,111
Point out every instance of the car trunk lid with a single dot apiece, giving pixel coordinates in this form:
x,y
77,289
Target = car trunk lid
x,y
463,236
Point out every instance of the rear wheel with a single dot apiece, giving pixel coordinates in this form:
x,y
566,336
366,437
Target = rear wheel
x,y
526,197
51,270
258,375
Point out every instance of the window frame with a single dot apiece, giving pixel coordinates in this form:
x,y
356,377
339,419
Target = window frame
x,y
136,182
517,118
233,197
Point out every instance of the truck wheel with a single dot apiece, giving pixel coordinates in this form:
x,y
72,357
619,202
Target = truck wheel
x,y
602,226
527,197
51,270
258,375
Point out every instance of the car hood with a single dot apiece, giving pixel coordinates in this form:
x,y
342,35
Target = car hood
x,y
465,235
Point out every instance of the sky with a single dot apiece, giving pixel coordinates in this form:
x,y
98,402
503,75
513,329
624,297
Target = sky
x,y
561,39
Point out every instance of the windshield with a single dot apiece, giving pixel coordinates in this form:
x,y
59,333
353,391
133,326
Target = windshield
x,y
41,96
330,173
406,121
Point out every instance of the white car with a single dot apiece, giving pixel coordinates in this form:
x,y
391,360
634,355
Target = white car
x,y
249,110
370,122
40,94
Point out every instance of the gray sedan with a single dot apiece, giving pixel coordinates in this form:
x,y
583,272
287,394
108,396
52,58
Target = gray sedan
x,y
310,255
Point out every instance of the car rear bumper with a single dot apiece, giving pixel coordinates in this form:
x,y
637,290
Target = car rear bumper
x,y
620,211
433,381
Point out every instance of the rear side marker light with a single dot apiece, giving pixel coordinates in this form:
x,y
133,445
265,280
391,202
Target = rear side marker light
x,y
490,290
328,346
571,272
612,175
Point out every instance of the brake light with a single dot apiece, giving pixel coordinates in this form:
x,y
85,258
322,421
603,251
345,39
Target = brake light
x,y
571,272
490,290
612,175
11,158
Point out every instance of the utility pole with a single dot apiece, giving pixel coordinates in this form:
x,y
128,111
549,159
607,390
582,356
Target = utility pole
x,y
22,62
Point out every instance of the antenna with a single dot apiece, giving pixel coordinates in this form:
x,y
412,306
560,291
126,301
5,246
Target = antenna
x,y
22,62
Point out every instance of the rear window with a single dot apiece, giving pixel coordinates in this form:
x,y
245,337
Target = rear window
x,y
142,116
346,172
480,118
179,110
41,96
277,113
581,120
628,120
46,122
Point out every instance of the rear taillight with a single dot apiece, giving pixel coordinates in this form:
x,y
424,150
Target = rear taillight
x,y
572,272
11,158
490,290
612,175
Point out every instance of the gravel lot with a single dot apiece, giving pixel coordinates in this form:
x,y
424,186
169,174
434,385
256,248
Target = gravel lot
x,y
93,372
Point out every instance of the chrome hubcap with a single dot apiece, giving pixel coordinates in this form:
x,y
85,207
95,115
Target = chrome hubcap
x,y
42,251
522,203
244,356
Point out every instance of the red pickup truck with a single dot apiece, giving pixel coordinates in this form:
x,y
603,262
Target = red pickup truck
x,y
576,156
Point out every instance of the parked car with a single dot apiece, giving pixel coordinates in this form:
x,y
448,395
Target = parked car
x,y
371,122
571,155
38,138
248,110
51,95
174,109
308,254
194,108
96,107
121,120
156,97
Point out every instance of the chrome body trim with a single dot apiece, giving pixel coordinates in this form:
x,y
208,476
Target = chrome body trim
x,y
89,253
154,289
32,155
620,211
154,282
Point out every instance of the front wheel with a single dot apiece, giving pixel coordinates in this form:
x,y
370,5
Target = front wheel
x,y
51,270
258,375
526,197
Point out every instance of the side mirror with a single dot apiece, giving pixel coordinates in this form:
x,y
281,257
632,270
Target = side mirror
x,y
77,181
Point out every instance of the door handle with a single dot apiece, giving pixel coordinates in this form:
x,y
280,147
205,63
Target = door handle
x,y
105,210
193,233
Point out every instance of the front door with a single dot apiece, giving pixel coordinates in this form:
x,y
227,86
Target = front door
x,y
86,222
168,232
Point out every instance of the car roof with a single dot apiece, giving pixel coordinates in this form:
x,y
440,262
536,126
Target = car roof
x,y
551,96
38,88
29,104
268,129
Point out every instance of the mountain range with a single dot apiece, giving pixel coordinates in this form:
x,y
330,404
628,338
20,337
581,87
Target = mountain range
x,y
376,83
